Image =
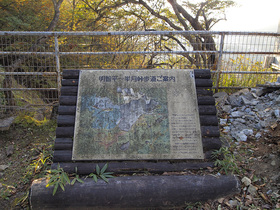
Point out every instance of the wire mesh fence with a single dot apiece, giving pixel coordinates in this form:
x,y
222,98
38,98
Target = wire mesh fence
x,y
31,62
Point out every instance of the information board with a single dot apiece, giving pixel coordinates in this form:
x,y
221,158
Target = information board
x,y
137,115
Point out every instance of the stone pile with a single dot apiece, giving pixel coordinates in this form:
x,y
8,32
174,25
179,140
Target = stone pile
x,y
248,113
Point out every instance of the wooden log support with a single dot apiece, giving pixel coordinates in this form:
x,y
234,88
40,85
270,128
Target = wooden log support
x,y
202,73
203,83
64,132
71,74
70,82
161,191
63,144
69,90
159,167
68,100
205,100
210,131
67,109
213,143
133,192
62,156
207,110
203,91
66,120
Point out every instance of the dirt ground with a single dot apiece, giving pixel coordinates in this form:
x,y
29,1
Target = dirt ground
x,y
26,145
22,149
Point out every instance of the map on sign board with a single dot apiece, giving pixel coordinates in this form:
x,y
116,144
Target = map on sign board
x,y
136,114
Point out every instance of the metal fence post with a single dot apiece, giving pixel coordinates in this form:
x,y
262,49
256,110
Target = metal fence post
x,y
220,61
57,60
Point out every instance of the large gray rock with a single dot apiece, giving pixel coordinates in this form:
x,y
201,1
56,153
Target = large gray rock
x,y
6,123
3,167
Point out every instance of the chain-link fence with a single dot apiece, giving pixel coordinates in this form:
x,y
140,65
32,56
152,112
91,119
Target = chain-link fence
x,y
31,62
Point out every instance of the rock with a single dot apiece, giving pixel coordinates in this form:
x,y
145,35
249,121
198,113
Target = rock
x,y
258,91
248,132
276,113
240,120
226,129
247,110
223,122
3,167
226,108
258,135
6,123
263,124
246,181
240,136
235,101
252,189
278,99
233,203
249,117
249,102
237,114
220,96
10,150
273,163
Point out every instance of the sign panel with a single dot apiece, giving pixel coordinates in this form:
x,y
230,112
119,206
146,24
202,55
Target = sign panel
x,y
137,115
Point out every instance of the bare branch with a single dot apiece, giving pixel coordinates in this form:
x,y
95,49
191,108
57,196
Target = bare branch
x,y
153,12
55,19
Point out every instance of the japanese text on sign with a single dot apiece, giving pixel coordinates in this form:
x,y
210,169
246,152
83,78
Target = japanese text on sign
x,y
160,78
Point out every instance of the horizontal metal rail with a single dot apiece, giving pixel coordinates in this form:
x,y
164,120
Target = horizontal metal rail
x,y
138,52
239,54
123,33
24,89
29,73
246,72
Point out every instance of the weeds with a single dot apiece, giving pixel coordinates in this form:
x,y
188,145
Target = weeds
x,y
58,178
38,166
225,160
6,191
27,119
76,178
101,174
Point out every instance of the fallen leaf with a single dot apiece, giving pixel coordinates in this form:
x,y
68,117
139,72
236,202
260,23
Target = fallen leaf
x,y
273,126
263,196
266,206
237,198
248,202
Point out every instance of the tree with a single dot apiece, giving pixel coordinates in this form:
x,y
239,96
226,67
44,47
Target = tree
x,y
187,16
25,15
159,15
